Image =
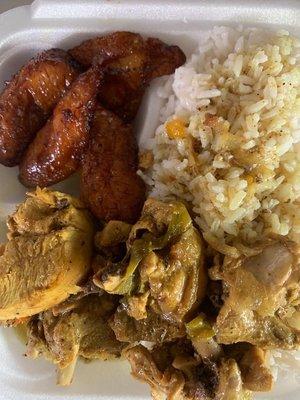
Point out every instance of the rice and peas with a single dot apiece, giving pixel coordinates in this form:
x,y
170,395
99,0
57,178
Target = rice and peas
x,y
229,142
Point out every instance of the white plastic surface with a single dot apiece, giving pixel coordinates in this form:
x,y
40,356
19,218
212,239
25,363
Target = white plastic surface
x,y
64,23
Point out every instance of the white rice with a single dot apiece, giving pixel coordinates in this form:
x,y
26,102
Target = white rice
x,y
248,189
243,182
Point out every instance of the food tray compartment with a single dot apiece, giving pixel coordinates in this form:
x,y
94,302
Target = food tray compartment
x,y
63,23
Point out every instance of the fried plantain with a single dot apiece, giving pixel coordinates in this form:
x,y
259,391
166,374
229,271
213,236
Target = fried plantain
x,y
113,45
132,63
29,98
109,184
57,149
164,59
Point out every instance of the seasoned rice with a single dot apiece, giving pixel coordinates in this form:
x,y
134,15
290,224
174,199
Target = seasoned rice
x,y
228,140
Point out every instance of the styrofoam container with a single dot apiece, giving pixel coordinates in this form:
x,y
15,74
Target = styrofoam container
x,y
63,23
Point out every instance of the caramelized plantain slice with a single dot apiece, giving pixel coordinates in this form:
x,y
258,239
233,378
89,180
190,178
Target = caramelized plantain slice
x,y
29,98
109,184
57,149
132,62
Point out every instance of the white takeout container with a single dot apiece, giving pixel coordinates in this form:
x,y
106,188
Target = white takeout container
x,y
63,23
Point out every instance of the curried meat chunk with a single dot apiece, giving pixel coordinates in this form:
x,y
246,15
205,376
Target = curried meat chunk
x,y
255,372
81,331
230,382
173,372
29,98
154,328
114,233
164,266
261,299
111,243
47,255
133,63
164,384
109,184
177,281
57,149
